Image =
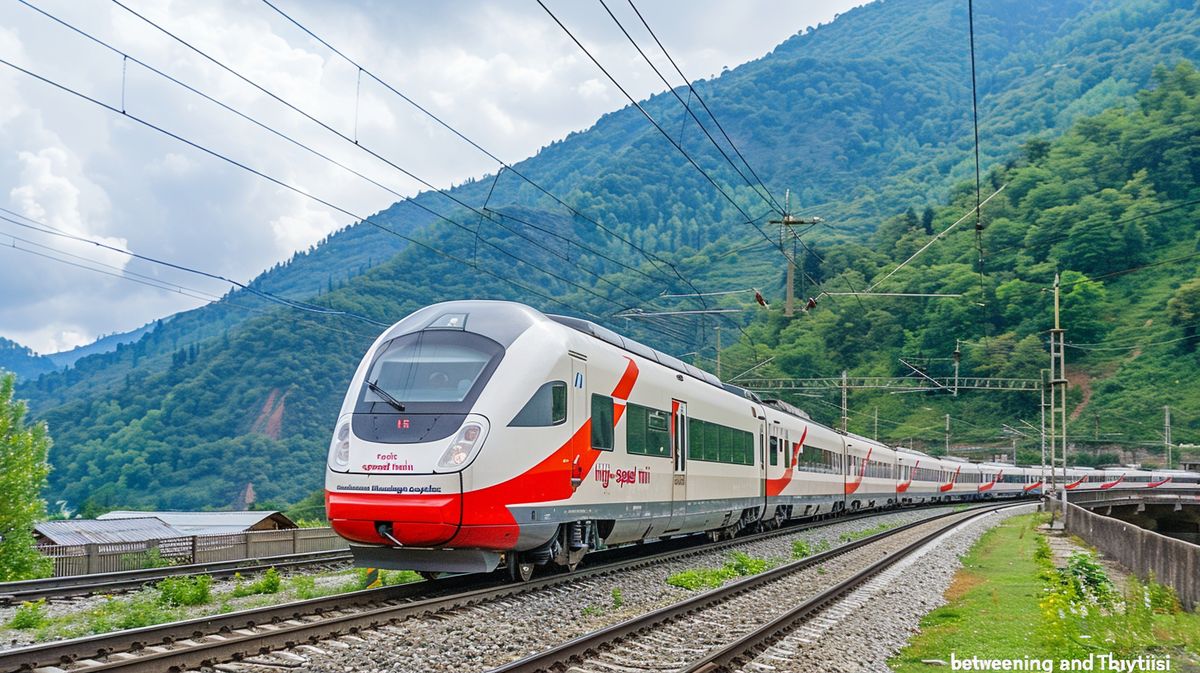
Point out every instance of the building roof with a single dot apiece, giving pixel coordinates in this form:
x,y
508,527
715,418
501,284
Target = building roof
x,y
208,523
88,531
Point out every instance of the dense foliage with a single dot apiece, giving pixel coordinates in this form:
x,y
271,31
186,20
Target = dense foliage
x,y
864,118
22,361
23,469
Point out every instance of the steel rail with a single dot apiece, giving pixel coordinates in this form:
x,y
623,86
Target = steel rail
x,y
754,643
282,628
75,585
579,649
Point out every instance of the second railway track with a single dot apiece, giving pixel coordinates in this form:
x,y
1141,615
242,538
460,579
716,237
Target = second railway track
x,y
237,636
725,628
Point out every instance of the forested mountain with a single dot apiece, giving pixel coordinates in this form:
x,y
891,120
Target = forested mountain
x,y
863,119
22,361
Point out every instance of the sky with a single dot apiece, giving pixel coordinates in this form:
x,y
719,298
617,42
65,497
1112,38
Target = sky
x,y
502,72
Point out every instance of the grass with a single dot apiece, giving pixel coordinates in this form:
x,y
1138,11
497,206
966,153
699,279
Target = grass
x,y
179,598
1009,601
976,621
804,549
738,565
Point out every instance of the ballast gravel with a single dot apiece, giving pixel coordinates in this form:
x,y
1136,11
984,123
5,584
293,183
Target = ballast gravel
x,y
860,632
484,636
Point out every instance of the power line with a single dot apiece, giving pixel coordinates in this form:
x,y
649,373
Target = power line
x,y
380,157
1102,223
746,217
655,260
978,203
140,279
516,258
692,90
661,130
935,239
769,199
176,290
1133,347
300,306
288,187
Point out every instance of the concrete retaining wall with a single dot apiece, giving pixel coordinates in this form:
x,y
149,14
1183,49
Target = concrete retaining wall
x,y
1172,562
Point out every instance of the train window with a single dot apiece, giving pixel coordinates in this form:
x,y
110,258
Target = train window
x,y
435,367
774,451
695,439
728,450
712,441
548,406
646,431
747,442
602,422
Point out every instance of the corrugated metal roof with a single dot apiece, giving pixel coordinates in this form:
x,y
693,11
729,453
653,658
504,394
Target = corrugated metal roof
x,y
207,523
88,531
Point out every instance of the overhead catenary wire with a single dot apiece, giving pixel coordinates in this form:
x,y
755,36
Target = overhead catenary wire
x,y
733,202
653,258
696,94
220,301
936,238
768,198
656,261
376,155
1056,238
288,187
653,122
300,306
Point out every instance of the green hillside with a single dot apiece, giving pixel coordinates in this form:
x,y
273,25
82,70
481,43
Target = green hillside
x,y
22,361
862,118
1114,205
857,116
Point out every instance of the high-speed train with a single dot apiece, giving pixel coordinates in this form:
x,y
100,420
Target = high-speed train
x,y
476,433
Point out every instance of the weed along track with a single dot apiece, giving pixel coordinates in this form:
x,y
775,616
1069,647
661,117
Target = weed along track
x,y
447,611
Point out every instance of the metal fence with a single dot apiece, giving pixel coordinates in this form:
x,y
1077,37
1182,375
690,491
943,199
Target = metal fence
x,y
1148,554
102,558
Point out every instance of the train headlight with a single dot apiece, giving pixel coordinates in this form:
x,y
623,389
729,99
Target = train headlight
x,y
339,446
463,447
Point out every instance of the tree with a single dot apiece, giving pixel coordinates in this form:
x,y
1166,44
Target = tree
x,y
1184,309
23,471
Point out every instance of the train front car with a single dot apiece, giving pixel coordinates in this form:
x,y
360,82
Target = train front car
x,y
455,412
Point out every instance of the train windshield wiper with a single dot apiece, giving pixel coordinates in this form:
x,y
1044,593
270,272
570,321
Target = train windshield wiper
x,y
387,397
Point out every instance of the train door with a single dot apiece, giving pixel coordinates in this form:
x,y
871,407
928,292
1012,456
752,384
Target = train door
x,y
580,408
679,450
762,460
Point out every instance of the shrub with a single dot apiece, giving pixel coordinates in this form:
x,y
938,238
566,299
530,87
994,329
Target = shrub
x,y
269,583
184,590
304,586
30,615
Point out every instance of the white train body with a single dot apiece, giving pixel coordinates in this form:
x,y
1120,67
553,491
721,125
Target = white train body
x,y
536,438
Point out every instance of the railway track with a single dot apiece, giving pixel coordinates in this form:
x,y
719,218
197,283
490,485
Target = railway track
x,y
78,585
235,636
729,627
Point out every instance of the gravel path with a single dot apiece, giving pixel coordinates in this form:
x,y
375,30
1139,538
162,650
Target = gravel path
x,y
494,633
859,633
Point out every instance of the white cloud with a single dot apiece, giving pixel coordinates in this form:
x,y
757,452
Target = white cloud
x,y
502,73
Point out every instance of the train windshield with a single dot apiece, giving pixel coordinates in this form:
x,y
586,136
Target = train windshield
x,y
438,367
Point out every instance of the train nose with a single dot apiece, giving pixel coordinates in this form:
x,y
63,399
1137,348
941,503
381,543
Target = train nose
x,y
411,511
